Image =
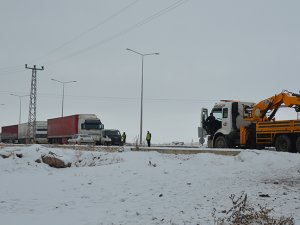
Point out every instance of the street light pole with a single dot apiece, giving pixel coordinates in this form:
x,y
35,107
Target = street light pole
x,y
142,87
20,104
63,93
62,102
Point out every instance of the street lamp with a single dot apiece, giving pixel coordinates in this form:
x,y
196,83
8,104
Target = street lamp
x,y
63,95
20,98
142,84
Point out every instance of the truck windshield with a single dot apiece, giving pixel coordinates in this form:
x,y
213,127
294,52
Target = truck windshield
x,y
111,133
217,112
92,125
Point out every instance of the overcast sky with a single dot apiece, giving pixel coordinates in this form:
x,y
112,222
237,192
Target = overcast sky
x,y
209,50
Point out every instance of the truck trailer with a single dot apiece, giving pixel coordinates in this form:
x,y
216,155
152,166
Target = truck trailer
x,y
18,133
252,125
40,132
62,128
9,134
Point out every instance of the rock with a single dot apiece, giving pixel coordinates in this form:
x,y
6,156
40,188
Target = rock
x,y
38,161
264,195
54,161
160,195
5,156
19,155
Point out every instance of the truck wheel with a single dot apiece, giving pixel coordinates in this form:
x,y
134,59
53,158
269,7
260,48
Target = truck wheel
x,y
298,145
220,142
283,143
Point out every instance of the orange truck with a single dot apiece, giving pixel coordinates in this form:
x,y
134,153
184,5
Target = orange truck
x,y
252,125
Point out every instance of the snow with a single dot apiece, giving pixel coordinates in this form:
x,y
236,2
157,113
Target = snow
x,y
136,187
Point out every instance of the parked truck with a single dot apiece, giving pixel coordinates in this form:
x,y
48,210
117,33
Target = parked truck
x,y
10,134
40,132
18,133
62,128
252,125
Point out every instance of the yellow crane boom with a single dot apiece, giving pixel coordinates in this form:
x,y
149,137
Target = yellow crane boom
x,y
266,109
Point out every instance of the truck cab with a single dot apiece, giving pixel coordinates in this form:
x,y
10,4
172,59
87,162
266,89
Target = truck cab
x,y
224,130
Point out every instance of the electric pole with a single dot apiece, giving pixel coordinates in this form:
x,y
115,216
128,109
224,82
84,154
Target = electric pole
x,y
31,130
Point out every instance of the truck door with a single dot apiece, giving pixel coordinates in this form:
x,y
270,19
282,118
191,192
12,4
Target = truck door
x,y
204,115
226,120
201,130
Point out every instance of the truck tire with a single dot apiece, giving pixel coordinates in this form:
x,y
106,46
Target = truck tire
x,y
220,142
298,144
283,143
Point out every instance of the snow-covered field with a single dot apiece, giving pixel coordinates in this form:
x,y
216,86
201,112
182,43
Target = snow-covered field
x,y
141,187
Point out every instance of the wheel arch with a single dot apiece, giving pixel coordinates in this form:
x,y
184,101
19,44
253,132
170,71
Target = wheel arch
x,y
216,136
287,139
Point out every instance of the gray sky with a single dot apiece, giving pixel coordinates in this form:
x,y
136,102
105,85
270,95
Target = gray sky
x,y
209,50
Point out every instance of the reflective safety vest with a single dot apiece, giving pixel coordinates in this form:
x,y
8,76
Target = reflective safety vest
x,y
148,137
123,137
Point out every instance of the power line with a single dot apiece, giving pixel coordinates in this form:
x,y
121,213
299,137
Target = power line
x,y
14,69
10,72
131,98
162,12
118,98
125,31
77,37
5,68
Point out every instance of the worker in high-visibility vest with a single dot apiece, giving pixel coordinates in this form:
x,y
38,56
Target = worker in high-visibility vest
x,y
148,138
123,138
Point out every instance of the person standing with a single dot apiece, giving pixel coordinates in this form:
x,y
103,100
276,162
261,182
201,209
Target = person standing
x,y
123,138
210,123
148,138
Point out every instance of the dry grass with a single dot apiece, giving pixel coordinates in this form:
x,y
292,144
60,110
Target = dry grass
x,y
243,213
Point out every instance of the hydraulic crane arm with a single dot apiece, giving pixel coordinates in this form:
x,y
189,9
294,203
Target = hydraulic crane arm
x,y
272,104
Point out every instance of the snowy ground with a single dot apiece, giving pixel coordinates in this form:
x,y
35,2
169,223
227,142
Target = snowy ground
x,y
125,188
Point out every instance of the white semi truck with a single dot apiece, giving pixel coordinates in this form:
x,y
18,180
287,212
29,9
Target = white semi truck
x,y
224,132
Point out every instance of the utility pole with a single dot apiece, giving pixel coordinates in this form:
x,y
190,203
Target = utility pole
x,y
31,130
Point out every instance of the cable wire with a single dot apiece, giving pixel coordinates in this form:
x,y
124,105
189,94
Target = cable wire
x,y
82,34
123,32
